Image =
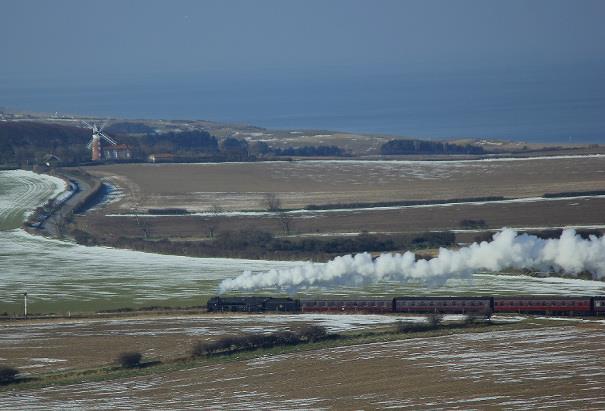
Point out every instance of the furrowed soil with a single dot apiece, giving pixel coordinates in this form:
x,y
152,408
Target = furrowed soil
x,y
560,367
535,214
39,346
241,186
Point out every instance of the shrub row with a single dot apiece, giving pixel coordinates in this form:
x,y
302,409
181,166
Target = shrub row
x,y
402,203
8,375
259,244
564,194
434,321
428,147
232,344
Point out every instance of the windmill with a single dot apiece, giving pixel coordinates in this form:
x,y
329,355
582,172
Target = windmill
x,y
95,142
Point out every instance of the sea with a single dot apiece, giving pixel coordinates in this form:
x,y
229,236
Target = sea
x,y
558,104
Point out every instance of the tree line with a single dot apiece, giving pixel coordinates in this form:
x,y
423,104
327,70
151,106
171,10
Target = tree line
x,y
30,142
428,147
253,243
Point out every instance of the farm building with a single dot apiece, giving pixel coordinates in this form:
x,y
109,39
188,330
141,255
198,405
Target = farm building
x,y
117,152
161,157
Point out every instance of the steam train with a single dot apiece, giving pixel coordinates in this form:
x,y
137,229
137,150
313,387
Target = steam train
x,y
476,306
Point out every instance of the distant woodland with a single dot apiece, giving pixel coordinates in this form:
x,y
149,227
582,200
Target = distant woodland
x,y
427,147
28,143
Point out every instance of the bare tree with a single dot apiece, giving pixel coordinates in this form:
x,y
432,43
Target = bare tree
x,y
215,219
142,223
272,202
285,220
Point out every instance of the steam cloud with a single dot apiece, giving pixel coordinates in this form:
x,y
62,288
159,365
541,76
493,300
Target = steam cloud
x,y
569,254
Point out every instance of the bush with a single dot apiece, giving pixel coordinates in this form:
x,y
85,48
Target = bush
x,y
412,327
435,320
473,224
312,333
8,375
286,338
129,359
428,147
233,344
202,348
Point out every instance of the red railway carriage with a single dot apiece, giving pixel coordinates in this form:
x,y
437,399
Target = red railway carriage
x,y
339,306
598,305
444,305
545,305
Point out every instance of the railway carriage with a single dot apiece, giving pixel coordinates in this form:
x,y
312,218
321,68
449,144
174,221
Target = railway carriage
x,y
444,305
486,305
598,305
545,305
355,306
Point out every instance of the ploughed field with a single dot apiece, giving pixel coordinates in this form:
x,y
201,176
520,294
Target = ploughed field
x,y
39,346
239,189
582,213
559,367
242,186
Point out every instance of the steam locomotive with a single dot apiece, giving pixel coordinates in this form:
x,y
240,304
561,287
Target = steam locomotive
x,y
476,306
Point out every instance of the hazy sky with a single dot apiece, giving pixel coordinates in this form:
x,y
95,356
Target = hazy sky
x,y
93,42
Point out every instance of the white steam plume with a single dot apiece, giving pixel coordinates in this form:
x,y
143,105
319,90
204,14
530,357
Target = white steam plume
x,y
569,254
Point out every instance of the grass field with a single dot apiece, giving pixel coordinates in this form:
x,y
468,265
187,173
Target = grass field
x,y
64,277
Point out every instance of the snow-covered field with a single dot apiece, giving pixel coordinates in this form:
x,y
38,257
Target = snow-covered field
x,y
21,192
61,276
557,368
197,326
